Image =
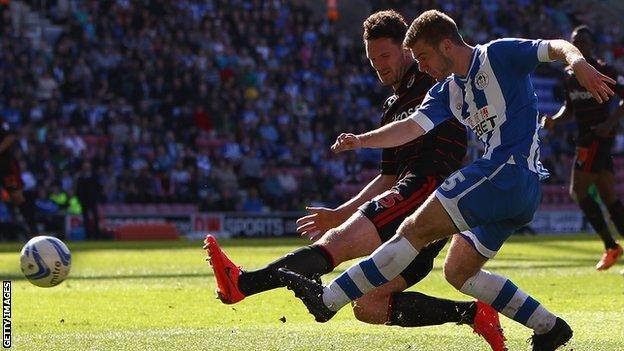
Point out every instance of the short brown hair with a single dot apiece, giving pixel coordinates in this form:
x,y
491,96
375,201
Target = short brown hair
x,y
432,26
385,24
582,29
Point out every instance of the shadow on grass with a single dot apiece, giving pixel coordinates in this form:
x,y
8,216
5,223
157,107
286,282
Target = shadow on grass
x,y
555,241
120,276
578,263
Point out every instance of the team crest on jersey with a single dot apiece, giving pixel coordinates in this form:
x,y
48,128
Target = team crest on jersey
x,y
410,82
481,80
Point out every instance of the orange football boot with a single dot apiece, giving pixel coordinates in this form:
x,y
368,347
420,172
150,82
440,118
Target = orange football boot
x,y
609,257
487,324
226,273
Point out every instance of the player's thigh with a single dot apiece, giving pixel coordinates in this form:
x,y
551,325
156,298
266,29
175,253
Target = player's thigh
x,y
356,237
605,183
372,307
429,223
462,261
388,210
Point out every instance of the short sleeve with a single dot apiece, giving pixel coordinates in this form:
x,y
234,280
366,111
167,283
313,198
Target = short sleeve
x,y
520,55
435,107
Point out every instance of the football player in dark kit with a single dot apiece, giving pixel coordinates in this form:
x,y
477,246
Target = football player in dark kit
x,y
593,163
409,174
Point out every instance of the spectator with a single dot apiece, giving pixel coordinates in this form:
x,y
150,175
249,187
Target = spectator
x,y
225,91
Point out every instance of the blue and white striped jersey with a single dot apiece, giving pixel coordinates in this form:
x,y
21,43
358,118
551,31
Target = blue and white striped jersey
x,y
496,100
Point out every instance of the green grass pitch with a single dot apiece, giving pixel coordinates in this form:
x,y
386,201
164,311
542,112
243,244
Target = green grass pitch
x,y
160,296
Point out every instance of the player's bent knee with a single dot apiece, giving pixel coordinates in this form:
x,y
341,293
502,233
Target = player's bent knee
x,y
358,238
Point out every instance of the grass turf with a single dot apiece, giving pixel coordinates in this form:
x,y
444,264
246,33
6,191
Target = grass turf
x,y
160,296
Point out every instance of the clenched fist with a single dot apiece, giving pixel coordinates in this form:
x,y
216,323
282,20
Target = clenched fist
x,y
346,142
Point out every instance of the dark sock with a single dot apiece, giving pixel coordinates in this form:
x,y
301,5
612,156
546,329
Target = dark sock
x,y
616,210
311,261
413,309
593,213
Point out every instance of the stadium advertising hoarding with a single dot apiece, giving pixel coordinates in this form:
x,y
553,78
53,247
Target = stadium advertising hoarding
x,y
196,225
74,228
558,222
282,224
279,224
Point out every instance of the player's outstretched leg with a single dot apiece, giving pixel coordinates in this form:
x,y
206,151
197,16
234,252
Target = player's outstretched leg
x,y
421,312
500,292
414,309
309,292
234,283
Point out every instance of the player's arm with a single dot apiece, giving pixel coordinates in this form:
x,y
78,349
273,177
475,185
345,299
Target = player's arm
x,y
592,80
376,186
391,135
321,219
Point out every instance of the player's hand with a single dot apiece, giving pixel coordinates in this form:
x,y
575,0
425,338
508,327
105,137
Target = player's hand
x,y
346,142
547,122
603,129
319,221
592,80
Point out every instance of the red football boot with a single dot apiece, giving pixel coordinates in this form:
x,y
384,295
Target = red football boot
x,y
609,257
226,273
487,325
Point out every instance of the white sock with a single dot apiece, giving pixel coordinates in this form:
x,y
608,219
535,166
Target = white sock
x,y
383,265
505,297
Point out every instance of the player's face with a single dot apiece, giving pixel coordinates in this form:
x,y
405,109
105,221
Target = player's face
x,y
387,58
432,60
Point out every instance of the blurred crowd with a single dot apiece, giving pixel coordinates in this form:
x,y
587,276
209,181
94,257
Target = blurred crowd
x,y
228,104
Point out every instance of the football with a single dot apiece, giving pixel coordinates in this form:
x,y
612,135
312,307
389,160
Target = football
x,y
45,261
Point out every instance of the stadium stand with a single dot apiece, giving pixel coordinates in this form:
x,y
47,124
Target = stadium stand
x,y
198,102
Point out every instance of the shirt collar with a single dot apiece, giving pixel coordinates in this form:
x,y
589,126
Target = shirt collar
x,y
473,59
